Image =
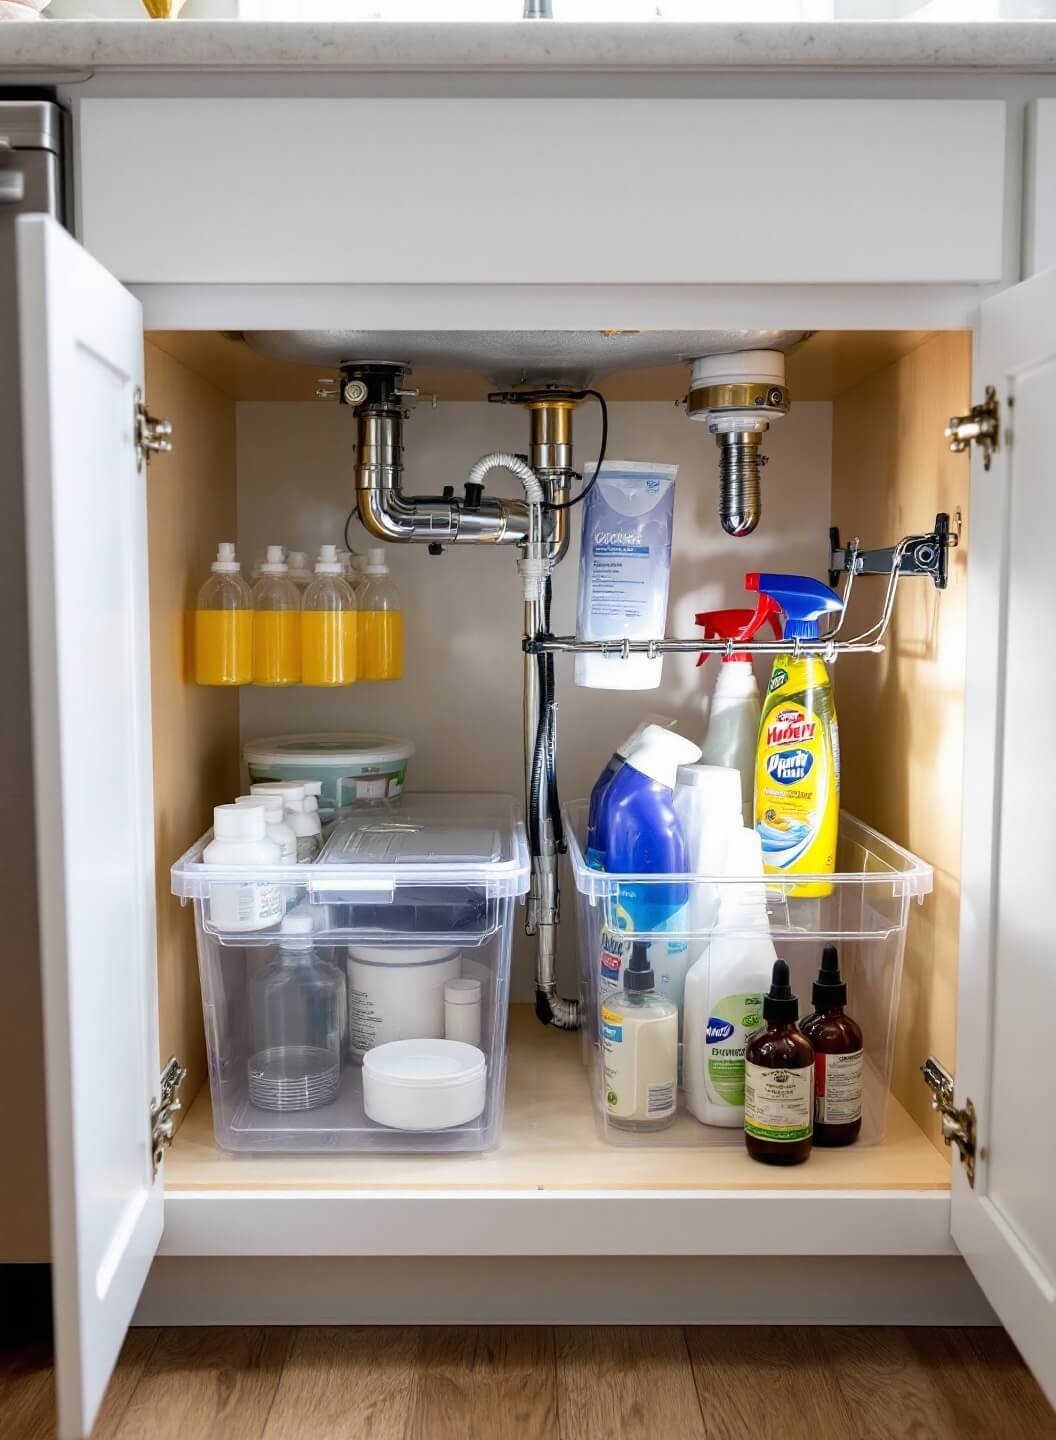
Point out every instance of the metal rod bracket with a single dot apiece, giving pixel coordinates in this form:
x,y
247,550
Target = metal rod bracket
x,y
924,555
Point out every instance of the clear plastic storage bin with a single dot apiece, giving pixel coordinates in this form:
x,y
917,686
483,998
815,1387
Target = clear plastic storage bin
x,y
865,915
403,900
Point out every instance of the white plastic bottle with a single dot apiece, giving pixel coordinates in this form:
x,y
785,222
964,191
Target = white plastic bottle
x,y
240,840
733,727
708,805
305,825
275,825
724,993
639,1041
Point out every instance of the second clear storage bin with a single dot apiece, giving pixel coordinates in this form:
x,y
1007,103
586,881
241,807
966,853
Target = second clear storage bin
x,y
865,914
327,1029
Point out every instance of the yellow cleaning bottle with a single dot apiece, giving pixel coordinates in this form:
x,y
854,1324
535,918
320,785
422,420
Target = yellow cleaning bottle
x,y
223,624
276,623
379,621
797,769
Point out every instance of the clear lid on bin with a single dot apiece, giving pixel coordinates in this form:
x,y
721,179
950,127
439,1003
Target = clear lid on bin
x,y
431,841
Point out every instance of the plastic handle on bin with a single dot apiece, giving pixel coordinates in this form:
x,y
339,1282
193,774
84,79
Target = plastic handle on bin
x,y
739,625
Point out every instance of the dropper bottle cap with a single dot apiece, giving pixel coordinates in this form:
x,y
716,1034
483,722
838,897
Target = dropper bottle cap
x,y
779,1003
639,975
829,991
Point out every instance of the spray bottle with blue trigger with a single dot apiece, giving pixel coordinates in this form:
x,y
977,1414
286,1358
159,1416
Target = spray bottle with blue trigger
x,y
797,772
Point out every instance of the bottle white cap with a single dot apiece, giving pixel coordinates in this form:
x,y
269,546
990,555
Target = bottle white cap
x,y
375,562
721,786
295,932
312,787
462,992
628,745
275,561
225,562
328,563
286,788
297,560
239,822
271,805
658,754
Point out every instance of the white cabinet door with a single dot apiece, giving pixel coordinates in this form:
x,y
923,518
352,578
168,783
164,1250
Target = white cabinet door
x,y
81,341
1006,1224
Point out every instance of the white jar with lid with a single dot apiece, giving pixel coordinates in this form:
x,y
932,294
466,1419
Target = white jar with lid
x,y
396,992
240,841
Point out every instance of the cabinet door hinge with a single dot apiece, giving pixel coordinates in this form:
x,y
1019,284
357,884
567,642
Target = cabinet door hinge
x,y
153,437
958,1124
163,1109
981,426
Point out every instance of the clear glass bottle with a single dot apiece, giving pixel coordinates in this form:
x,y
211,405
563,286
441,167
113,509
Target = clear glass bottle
x,y
298,1018
639,1041
379,621
328,625
223,624
276,623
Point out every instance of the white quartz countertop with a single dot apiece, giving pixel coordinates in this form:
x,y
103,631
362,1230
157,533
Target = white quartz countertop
x,y
540,45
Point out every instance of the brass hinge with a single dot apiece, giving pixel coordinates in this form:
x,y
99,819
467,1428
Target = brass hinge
x,y
153,437
981,426
958,1125
162,1110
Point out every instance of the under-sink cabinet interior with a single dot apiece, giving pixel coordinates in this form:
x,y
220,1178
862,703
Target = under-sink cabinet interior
x,y
264,453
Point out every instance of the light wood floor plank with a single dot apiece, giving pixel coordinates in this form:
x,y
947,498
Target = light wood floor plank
x,y
349,1383
205,1381
485,1383
27,1400
746,1372
633,1383
890,1391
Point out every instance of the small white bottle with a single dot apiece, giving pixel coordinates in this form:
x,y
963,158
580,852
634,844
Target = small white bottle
x,y
724,993
313,789
275,825
462,1011
305,826
639,1041
240,840
733,726
708,805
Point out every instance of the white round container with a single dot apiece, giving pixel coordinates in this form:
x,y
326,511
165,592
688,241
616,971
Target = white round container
x,y
424,1084
397,993
353,768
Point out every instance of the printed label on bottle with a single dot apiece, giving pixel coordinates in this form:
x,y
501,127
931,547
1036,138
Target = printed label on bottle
x,y
615,952
838,1088
730,1023
660,1099
632,1050
364,1021
245,907
778,1104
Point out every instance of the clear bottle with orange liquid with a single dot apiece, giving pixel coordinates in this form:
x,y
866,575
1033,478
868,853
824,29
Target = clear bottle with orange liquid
x,y
379,622
223,624
276,623
328,625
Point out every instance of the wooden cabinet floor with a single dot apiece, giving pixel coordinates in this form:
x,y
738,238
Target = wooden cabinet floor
x,y
564,1383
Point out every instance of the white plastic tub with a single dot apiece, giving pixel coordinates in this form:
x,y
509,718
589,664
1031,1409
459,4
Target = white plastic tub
x,y
865,916
431,875
353,768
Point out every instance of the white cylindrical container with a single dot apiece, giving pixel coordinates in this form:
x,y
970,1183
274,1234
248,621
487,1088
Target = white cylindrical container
x,y
397,993
306,826
462,1011
240,839
275,825
424,1084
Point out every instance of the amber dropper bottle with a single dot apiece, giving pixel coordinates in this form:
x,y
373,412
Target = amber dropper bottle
x,y
838,1057
779,1080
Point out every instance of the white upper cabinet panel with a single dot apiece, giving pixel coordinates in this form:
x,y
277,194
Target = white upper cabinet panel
x,y
497,191
1039,230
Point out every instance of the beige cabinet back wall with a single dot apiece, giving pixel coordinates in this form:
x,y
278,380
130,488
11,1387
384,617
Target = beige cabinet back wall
x,y
460,699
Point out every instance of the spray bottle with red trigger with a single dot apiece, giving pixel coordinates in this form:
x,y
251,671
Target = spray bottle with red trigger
x,y
733,719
